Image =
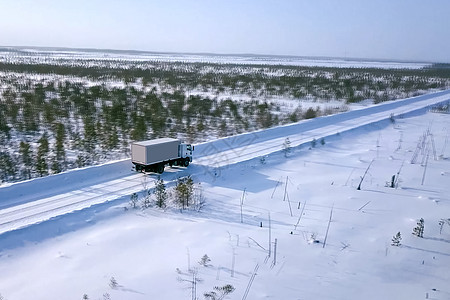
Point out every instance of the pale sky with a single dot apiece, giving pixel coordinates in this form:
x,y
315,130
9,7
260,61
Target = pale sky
x,y
416,30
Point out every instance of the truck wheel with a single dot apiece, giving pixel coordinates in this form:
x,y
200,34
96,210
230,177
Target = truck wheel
x,y
160,169
186,162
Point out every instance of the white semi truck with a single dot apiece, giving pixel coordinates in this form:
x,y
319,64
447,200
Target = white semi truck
x,y
154,155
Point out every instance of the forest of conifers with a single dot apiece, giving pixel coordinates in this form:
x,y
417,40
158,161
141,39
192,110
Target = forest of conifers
x,y
59,116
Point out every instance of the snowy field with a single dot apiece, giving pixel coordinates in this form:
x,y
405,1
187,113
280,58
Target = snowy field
x,y
57,55
292,227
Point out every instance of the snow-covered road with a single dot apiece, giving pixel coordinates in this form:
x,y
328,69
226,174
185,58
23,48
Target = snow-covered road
x,y
78,189
255,144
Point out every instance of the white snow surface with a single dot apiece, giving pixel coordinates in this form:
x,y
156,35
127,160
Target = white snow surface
x,y
61,55
66,235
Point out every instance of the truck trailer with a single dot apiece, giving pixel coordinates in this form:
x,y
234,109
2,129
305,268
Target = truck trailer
x,y
154,155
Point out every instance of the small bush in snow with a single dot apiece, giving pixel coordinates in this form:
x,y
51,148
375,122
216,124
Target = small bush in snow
x,y
418,230
392,118
106,296
313,143
262,160
113,283
313,239
286,147
85,297
199,197
146,202
133,200
396,239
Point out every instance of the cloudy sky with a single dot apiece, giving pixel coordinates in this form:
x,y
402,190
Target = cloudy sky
x,y
416,30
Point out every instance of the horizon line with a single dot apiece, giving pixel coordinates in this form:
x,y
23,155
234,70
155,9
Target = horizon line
x,y
136,51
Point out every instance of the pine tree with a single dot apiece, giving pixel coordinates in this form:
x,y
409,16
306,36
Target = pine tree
x,y
139,131
263,115
418,230
310,114
146,202
204,261
113,283
184,191
113,138
25,154
55,166
4,128
90,136
7,167
41,157
160,193
396,239
59,143
30,114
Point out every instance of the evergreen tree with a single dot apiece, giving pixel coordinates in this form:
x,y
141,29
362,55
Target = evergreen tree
x,y
139,131
223,128
263,115
59,143
418,230
113,283
7,167
56,166
113,138
81,160
27,161
184,191
90,136
4,128
396,239
310,113
146,201
41,157
30,114
204,261
156,113
160,193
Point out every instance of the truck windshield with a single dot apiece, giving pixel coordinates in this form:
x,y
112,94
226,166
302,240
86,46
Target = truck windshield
x,y
188,147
